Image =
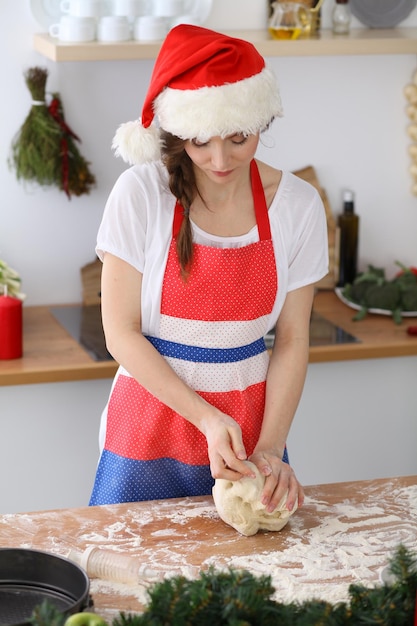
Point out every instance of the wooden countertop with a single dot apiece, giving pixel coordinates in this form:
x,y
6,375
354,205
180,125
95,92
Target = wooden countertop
x,y
52,355
345,533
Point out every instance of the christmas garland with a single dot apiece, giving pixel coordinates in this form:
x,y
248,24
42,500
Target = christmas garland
x,y
237,598
44,150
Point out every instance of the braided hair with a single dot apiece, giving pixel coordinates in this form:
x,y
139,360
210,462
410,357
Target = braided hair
x,y
183,186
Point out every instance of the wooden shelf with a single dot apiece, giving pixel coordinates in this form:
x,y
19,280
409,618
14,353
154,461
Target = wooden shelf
x,y
360,41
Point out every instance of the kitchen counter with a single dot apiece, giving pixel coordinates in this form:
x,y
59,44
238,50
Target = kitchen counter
x,y
345,533
52,355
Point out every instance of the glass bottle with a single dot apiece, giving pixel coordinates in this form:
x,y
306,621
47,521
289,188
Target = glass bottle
x,y
348,223
341,17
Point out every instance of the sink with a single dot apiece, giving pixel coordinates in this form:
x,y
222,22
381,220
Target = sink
x,y
83,323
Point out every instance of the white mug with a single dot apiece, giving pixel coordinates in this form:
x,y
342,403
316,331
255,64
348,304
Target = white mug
x,y
113,28
130,8
168,8
81,8
151,28
74,29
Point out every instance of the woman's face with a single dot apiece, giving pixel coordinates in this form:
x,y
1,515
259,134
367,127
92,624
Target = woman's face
x,y
222,159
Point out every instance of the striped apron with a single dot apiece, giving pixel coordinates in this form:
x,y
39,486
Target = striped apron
x,y
211,333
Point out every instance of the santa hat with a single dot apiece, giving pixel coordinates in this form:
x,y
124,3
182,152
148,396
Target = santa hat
x,y
204,84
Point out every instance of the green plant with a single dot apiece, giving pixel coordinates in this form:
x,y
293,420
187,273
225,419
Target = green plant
x,y
237,598
10,281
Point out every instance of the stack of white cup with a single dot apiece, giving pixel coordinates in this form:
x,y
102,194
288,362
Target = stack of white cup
x,y
119,20
164,15
127,12
78,22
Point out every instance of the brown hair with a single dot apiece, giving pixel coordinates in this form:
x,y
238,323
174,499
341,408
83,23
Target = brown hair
x,y
182,184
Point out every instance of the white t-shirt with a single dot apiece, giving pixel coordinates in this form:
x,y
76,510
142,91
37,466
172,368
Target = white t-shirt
x,y
137,227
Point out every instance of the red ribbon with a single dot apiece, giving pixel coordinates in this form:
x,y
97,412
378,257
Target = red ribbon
x,y
54,110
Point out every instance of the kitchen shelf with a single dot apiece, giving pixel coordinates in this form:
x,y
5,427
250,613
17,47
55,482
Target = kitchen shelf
x,y
360,41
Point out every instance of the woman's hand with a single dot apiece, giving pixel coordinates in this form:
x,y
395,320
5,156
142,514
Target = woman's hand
x,y
225,447
280,479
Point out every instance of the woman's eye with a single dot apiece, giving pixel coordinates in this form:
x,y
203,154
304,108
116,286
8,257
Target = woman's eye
x,y
239,140
198,144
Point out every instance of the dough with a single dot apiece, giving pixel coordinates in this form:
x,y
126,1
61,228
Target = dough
x,y
238,503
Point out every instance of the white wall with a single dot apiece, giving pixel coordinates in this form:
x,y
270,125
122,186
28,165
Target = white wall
x,y
356,420
48,444
344,115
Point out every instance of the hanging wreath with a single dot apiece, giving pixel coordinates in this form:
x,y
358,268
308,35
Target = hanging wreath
x,y
45,149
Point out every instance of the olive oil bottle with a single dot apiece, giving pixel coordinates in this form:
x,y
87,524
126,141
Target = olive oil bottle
x,y
348,224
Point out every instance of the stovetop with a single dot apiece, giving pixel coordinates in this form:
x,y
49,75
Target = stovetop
x,y
83,323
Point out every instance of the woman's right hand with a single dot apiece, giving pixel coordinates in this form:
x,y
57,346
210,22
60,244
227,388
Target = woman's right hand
x,y
225,447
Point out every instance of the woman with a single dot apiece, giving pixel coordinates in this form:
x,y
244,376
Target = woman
x,y
204,249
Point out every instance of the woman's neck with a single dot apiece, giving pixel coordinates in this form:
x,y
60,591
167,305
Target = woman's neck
x,y
225,210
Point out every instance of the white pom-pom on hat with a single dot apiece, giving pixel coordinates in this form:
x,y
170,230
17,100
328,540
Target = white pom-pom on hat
x,y
136,144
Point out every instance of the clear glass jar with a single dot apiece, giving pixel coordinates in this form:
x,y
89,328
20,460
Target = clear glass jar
x,y
341,17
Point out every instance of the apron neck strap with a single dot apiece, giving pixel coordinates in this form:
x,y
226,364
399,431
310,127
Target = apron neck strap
x,y
261,210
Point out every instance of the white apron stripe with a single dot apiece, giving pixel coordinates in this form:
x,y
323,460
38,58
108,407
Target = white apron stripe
x,y
206,334
222,377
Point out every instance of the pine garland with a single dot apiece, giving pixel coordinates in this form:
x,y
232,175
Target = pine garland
x,y
44,149
237,598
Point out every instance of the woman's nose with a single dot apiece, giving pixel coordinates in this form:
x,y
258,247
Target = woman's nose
x,y
219,156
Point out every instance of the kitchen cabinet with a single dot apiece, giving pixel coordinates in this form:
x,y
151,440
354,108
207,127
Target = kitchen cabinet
x,y
360,41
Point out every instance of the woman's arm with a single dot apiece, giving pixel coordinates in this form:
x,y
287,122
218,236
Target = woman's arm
x,y
121,287
285,381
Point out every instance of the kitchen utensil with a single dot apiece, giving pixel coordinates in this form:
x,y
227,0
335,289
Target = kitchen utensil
x,y
28,577
123,568
81,8
289,20
168,8
73,28
151,28
113,28
381,13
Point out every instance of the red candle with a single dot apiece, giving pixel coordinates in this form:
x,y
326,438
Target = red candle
x,y
11,327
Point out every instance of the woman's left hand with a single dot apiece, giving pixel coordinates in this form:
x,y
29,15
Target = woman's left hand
x,y
280,479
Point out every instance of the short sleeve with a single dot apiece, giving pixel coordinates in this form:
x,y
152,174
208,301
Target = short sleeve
x,y
122,231
308,253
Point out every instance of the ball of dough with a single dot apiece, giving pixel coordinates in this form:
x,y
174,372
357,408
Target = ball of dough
x,y
238,503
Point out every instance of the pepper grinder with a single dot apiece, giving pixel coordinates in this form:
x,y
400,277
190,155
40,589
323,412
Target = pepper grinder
x,y
341,17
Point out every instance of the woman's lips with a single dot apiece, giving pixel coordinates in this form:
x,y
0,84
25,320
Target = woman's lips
x,y
222,174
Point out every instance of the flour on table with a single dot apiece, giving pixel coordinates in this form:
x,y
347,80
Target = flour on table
x,y
238,503
352,546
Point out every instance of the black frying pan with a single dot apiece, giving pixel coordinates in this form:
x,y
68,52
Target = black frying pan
x,y
28,577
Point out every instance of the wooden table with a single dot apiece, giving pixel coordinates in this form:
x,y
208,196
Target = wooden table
x,y
52,355
345,533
